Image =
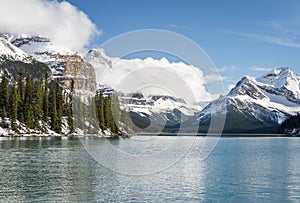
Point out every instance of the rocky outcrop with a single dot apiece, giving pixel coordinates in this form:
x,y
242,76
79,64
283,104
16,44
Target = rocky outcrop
x,y
65,65
76,69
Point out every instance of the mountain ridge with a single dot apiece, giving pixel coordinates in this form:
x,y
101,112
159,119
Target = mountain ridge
x,y
258,104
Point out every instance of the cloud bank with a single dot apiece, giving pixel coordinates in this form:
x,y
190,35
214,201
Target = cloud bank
x,y
63,23
260,69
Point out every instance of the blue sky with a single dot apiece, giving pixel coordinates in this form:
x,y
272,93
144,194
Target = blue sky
x,y
241,37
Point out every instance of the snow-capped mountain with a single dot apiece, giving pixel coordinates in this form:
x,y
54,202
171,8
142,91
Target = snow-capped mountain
x,y
254,105
161,109
64,64
257,104
13,59
127,77
155,104
156,110
10,51
41,49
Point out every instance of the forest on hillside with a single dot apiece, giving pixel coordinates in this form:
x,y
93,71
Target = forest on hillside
x,y
290,124
34,104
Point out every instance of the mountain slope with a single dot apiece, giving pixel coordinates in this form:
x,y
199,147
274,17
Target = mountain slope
x,y
143,92
256,105
9,51
13,59
291,126
65,65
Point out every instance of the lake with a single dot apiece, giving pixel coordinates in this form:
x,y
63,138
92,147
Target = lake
x,y
150,169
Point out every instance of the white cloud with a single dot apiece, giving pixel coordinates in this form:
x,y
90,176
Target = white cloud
x,y
227,68
213,78
62,22
230,87
287,41
260,69
152,76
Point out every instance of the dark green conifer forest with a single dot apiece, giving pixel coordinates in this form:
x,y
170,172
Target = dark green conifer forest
x,y
36,104
290,124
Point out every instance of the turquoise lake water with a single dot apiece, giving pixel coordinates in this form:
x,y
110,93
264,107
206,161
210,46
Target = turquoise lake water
x,y
152,169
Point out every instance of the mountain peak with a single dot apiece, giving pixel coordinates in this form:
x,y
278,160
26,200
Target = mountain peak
x,y
277,72
10,51
35,45
98,56
247,86
281,77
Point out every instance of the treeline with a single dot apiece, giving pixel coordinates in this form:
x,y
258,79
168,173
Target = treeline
x,y
290,124
42,105
108,112
99,113
34,103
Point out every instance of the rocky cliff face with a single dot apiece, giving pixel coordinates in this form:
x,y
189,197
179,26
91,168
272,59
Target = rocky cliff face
x,y
65,65
74,67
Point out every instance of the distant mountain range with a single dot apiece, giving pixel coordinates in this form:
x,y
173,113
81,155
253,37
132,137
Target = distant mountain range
x,y
257,105
254,105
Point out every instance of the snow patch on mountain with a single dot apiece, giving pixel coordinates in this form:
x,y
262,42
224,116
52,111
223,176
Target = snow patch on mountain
x,y
12,52
163,104
39,47
36,44
271,97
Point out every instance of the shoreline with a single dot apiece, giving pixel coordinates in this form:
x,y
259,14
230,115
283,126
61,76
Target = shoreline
x,y
225,135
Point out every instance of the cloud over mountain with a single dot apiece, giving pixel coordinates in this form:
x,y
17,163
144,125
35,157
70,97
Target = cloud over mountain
x,y
63,23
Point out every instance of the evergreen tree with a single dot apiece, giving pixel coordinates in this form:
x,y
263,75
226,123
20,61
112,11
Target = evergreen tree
x,y
37,104
59,107
116,113
32,101
45,98
70,108
108,117
3,124
94,127
13,107
52,106
101,112
20,96
28,102
4,95
290,124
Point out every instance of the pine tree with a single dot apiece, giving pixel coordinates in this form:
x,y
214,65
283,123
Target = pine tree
x,y
13,107
20,96
116,112
3,124
59,107
37,104
94,126
108,117
69,108
4,95
28,102
52,106
101,111
45,98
